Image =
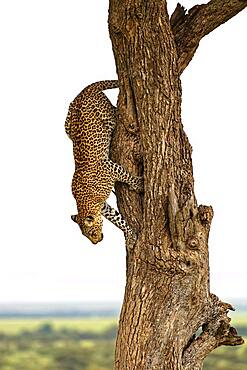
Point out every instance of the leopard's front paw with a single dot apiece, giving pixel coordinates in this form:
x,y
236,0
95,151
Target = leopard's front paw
x,y
130,238
138,185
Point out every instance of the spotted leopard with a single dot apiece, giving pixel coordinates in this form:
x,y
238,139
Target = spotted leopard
x,y
89,124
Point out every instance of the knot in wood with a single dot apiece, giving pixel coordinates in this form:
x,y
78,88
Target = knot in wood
x,y
193,243
131,127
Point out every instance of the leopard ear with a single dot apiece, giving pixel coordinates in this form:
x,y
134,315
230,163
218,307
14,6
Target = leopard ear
x,y
89,220
74,218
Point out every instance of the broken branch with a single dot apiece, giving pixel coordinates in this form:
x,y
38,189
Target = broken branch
x,y
189,28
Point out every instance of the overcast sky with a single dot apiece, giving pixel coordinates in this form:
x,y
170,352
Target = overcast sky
x,y
50,50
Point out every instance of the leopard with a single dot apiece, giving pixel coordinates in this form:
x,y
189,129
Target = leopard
x,y
90,122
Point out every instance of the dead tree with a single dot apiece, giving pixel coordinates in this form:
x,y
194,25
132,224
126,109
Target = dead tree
x,y
167,297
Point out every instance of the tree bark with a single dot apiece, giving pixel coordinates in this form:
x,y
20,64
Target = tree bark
x,y
167,297
189,28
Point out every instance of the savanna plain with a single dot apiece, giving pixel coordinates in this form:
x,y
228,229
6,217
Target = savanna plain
x,y
86,344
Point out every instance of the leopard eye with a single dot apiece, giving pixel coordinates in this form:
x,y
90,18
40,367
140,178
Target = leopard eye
x,y
89,220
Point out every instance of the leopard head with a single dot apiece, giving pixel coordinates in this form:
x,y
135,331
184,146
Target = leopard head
x,y
91,226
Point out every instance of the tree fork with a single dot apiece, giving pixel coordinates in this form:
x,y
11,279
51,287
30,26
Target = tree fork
x,y
167,297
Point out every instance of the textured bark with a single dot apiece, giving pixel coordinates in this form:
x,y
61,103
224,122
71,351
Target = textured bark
x,y
189,28
167,297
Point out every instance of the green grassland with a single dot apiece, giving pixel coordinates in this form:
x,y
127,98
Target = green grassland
x,y
86,344
92,324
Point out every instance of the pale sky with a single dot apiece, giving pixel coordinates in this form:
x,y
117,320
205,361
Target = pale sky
x,y
50,50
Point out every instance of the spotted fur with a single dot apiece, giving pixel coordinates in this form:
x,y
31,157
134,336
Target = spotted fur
x,y
89,124
116,218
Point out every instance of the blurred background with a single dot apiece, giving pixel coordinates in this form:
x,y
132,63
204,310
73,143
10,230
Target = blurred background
x,y
60,296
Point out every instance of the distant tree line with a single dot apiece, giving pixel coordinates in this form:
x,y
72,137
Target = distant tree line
x,y
48,348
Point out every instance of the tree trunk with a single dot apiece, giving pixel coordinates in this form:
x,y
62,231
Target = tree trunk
x,y
167,297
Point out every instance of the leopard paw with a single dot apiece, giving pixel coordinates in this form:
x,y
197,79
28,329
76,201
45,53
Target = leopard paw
x,y
130,238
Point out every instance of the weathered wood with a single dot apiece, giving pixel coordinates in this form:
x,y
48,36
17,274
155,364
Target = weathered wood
x,y
167,296
189,28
